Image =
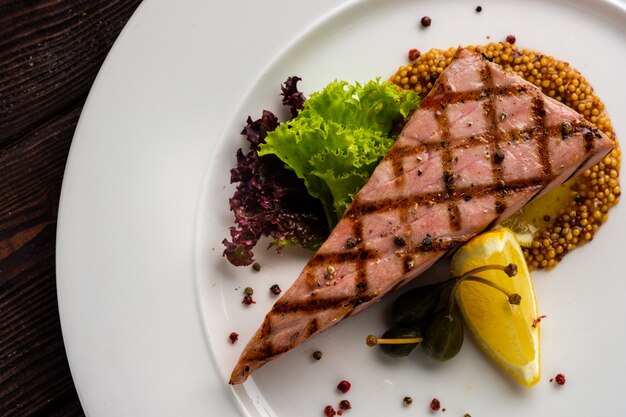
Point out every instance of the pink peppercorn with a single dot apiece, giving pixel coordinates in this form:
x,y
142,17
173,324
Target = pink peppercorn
x,y
329,411
414,54
345,405
560,379
234,336
435,404
344,386
247,300
511,39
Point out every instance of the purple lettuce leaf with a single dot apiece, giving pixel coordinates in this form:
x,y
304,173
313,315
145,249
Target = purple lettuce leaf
x,y
291,96
270,200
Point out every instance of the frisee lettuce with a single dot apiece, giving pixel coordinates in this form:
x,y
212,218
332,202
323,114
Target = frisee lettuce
x,y
339,137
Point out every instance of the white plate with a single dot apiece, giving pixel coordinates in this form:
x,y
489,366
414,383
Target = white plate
x,y
147,301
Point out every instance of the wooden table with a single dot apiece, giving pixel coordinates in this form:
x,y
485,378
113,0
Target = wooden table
x,y
50,53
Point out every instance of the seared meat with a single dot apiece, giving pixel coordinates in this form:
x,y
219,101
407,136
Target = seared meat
x,y
483,144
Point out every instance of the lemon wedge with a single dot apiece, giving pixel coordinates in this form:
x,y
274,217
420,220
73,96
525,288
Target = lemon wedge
x,y
503,331
524,231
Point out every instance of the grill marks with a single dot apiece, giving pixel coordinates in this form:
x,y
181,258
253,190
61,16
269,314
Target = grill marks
x,y
267,350
316,305
396,154
396,158
397,169
496,156
541,135
312,327
428,244
361,262
441,116
455,216
429,199
453,97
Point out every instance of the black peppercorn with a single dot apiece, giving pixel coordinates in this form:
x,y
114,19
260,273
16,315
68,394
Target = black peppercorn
x,y
399,241
275,289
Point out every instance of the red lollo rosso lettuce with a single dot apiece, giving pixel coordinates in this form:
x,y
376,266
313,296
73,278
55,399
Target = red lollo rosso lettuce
x,y
270,200
291,96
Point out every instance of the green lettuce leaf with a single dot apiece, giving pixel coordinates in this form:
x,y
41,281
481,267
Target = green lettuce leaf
x,y
339,137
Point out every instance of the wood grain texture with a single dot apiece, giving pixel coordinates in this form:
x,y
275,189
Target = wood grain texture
x,y
50,53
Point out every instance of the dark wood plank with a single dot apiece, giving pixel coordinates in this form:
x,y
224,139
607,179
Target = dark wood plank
x,y
50,52
34,373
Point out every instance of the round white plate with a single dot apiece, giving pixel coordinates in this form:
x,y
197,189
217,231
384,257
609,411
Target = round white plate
x,y
146,300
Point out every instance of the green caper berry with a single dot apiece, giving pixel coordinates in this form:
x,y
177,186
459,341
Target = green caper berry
x,y
443,338
400,350
415,305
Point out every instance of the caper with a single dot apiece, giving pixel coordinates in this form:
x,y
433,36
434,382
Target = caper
x,y
412,307
396,332
444,335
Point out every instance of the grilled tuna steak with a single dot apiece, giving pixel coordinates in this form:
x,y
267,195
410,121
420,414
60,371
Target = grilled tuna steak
x,y
482,144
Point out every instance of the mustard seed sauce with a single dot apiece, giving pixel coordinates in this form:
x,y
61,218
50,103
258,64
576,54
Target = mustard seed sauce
x,y
572,213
